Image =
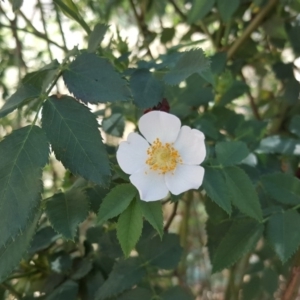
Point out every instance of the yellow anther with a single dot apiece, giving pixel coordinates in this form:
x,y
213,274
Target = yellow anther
x,y
162,157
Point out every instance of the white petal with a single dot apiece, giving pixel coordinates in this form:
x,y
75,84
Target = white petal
x,y
151,185
132,154
185,178
190,144
159,124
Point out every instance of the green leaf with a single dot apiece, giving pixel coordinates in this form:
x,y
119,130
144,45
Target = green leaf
x,y
227,8
199,9
114,124
30,88
92,79
66,211
76,141
147,91
95,195
15,248
153,213
177,293
216,188
167,35
237,89
129,227
242,192
71,11
97,36
240,239
284,188
279,144
282,233
16,4
164,253
23,155
68,290
190,62
294,126
125,274
136,294
116,201
231,153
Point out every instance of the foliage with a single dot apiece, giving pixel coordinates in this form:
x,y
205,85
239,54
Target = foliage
x,y
72,224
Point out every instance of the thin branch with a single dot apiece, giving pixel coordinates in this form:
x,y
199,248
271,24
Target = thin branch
x,y
11,290
173,215
251,27
58,19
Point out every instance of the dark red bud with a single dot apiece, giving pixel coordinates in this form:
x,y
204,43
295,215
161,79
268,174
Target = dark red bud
x,y
162,106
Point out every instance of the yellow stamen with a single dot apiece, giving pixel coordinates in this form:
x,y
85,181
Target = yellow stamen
x,y
162,157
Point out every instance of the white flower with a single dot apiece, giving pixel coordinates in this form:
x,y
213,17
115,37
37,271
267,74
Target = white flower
x,y
166,160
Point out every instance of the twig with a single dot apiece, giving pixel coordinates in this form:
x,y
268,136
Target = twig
x,y
170,220
11,290
252,26
58,19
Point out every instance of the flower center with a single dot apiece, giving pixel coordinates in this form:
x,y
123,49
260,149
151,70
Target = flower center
x,y
162,157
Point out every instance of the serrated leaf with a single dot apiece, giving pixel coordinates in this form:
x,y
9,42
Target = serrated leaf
x,y
116,201
129,227
284,188
242,192
237,89
199,10
13,251
240,239
125,274
66,211
114,124
23,155
153,213
227,8
95,195
147,91
164,253
190,62
97,36
30,88
282,234
216,188
68,290
92,79
76,141
231,153
294,126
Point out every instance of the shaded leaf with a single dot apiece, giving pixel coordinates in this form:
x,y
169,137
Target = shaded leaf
x,y
240,239
66,211
136,294
284,188
147,91
237,89
282,235
95,195
216,188
97,36
164,253
129,227
177,293
68,290
190,62
243,194
13,251
76,141
114,124
294,126
116,201
199,10
125,274
16,4
92,79
26,152
153,213
227,8
231,153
